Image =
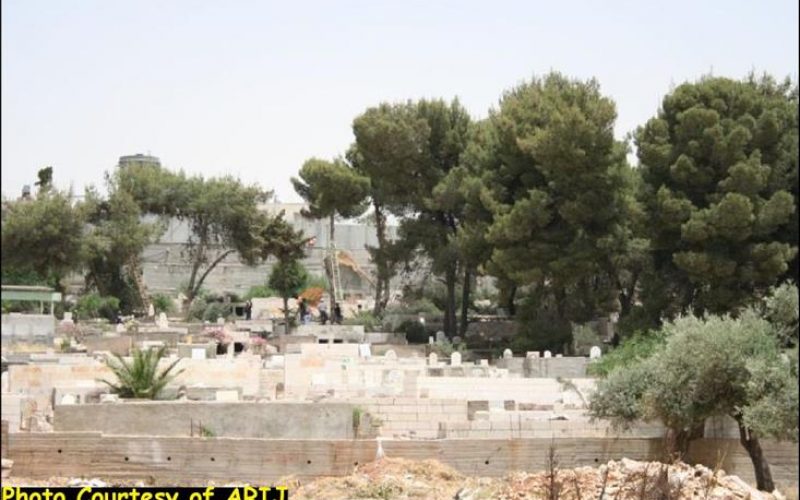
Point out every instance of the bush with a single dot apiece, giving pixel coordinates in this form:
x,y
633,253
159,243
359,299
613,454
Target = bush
x,y
216,310
317,281
260,291
414,306
584,338
541,331
639,347
370,322
198,308
138,378
414,330
445,348
636,321
93,305
163,303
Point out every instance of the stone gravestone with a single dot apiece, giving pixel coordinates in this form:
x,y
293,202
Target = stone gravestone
x,y
433,359
151,311
440,336
220,320
559,355
507,354
532,354
67,318
484,362
431,340
548,354
455,359
595,352
161,321
390,355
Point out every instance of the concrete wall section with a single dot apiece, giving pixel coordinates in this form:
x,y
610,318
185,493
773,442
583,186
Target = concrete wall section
x,y
522,390
28,327
252,420
198,460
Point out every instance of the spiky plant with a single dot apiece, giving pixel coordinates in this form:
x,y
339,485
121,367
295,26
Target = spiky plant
x,y
139,378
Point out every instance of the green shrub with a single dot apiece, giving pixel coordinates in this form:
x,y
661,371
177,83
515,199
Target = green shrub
x,y
163,303
414,330
138,378
317,281
198,308
93,305
216,310
639,347
541,331
370,322
260,291
414,306
445,348
584,338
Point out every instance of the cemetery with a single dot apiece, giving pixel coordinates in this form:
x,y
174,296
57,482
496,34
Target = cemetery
x,y
559,289
313,408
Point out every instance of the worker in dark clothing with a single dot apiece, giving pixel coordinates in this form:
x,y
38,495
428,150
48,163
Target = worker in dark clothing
x,y
337,314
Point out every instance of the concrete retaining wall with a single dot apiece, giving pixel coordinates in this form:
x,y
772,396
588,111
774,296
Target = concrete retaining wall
x,y
28,327
522,390
253,420
258,461
568,367
39,379
117,345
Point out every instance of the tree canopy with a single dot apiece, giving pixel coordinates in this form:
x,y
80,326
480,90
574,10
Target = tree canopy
x,y
44,236
719,164
223,215
331,189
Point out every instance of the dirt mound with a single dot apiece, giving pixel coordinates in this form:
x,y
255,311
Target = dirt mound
x,y
619,480
393,478
388,478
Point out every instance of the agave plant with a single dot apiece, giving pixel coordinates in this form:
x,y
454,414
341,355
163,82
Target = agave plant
x,y
138,378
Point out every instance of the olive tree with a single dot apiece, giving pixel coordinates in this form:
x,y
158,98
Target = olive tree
x,y
711,366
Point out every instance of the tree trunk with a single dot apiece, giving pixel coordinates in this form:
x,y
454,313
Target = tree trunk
x,y
382,282
465,294
208,270
761,468
450,326
677,444
198,258
377,308
333,262
286,315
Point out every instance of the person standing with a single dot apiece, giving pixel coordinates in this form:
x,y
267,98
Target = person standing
x,y
337,314
323,311
303,310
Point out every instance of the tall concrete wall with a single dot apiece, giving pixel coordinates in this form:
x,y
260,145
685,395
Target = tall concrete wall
x,y
259,461
165,269
281,420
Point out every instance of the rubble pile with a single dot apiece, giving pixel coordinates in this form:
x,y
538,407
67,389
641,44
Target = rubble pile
x,y
394,478
619,480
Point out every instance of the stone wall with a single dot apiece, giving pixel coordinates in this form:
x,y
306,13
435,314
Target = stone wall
x,y
28,328
521,390
282,420
39,380
259,461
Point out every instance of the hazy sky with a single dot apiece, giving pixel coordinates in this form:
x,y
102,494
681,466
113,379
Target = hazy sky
x,y
253,88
